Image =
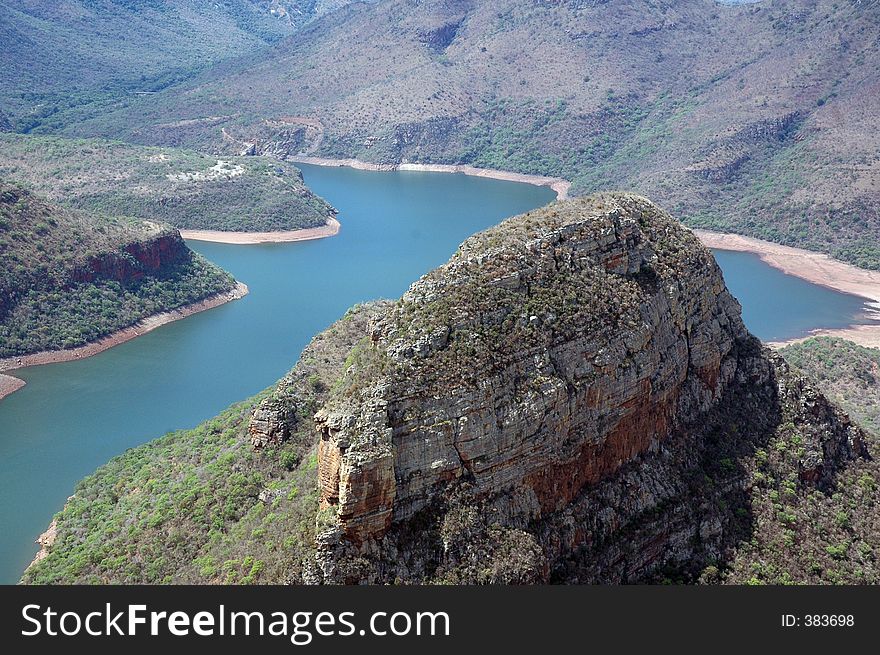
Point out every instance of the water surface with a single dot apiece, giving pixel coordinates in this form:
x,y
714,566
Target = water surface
x,y
73,417
777,307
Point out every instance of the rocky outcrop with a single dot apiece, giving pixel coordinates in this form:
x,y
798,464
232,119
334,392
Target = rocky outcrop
x,y
293,402
271,423
723,165
134,260
440,38
45,541
615,347
733,150
546,406
777,128
279,138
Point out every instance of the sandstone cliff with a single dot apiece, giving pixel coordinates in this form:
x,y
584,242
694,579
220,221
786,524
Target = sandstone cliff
x,y
553,404
572,398
151,254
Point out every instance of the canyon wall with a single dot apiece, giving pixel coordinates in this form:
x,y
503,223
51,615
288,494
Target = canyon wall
x,y
569,398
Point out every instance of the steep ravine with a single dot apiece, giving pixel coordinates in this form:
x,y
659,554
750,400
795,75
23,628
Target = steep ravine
x,y
572,398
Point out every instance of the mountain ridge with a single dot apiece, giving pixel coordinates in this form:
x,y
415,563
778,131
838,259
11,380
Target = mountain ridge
x,y
720,113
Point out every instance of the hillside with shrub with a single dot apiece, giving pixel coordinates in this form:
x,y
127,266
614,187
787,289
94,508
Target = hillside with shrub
x,y
68,278
834,535
754,118
58,56
183,188
847,372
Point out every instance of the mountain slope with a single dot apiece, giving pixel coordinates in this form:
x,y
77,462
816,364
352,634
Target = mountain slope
x,y
182,188
68,278
833,535
572,398
755,118
64,53
846,372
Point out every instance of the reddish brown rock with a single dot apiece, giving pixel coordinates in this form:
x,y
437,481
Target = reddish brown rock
x,y
568,373
135,260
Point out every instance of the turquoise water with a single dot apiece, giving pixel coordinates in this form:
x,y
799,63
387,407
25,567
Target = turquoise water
x,y
73,417
777,307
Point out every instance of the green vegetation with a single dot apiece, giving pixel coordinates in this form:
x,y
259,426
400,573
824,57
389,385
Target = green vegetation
x,y
803,534
846,372
43,319
830,536
196,506
68,278
180,187
762,201
505,138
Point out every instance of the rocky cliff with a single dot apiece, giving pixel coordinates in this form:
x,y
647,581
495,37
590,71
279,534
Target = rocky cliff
x,y
69,277
48,248
573,397
150,255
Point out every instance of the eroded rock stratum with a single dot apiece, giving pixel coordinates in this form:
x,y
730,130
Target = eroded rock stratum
x,y
573,397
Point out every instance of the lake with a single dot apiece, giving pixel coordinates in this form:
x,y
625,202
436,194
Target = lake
x,y
73,417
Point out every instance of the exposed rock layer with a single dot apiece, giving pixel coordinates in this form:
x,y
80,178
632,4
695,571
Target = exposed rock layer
x,y
135,260
548,406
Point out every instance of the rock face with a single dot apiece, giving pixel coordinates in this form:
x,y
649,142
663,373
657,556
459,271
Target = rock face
x,y
726,157
544,363
548,406
123,255
135,260
151,254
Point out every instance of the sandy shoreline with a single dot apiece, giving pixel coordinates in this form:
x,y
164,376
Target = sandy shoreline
x,y
9,384
558,185
863,335
240,238
814,267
